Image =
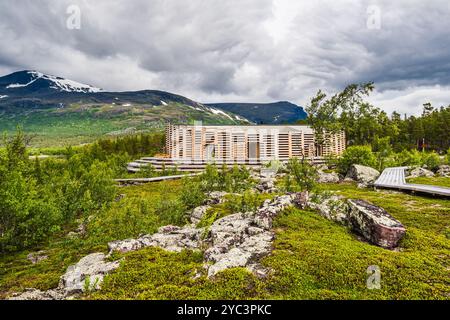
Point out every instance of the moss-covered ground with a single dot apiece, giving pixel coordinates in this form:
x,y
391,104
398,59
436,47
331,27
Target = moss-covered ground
x,y
313,258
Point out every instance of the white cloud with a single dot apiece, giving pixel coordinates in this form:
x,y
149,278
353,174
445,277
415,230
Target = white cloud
x,y
237,50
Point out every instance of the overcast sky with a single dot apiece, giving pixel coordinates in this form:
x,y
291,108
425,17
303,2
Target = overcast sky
x,y
238,50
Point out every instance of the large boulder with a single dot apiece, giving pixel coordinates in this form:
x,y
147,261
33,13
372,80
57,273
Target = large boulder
x,y
327,177
420,172
375,224
443,170
362,174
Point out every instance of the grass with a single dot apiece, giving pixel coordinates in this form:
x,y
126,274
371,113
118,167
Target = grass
x,y
313,258
437,181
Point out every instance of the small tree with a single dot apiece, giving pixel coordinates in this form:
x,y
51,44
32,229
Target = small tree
x,y
303,173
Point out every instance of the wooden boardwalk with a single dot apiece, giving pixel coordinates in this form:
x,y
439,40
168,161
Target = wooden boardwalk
x,y
155,179
394,178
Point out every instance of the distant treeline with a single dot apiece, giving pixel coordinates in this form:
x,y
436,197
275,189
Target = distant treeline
x,y
365,124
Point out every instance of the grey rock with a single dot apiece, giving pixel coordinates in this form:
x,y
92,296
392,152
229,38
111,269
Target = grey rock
x,y
171,238
36,257
375,224
216,197
89,271
325,177
332,207
362,174
35,294
125,245
420,172
443,170
198,213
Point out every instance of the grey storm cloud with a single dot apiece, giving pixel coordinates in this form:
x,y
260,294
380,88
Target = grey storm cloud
x,y
238,50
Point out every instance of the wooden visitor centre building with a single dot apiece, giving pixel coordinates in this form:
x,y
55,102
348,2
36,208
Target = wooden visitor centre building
x,y
192,147
251,143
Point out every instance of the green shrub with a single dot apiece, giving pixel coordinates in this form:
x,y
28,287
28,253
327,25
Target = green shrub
x,y
361,155
245,202
37,199
409,158
432,160
172,211
191,194
235,180
302,173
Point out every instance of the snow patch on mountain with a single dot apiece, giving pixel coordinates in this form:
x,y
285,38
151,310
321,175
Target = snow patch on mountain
x,y
163,103
217,111
58,83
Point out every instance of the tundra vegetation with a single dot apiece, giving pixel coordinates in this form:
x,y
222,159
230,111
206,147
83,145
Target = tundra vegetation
x,y
68,207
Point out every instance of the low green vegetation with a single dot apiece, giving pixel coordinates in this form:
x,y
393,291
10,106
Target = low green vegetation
x,y
44,201
313,258
381,158
80,123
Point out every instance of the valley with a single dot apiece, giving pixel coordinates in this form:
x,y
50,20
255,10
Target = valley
x,y
60,112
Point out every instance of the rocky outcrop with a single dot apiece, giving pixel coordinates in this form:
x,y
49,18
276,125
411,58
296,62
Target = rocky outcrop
x,y
363,175
87,274
240,240
375,224
443,170
171,238
420,172
237,240
327,177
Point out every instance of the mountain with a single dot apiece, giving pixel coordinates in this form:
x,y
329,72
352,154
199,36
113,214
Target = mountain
x,y
62,111
264,113
26,82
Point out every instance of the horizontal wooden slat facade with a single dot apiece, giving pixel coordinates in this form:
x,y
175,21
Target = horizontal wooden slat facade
x,y
242,143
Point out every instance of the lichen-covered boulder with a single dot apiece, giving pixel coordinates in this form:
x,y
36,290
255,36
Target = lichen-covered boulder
x,y
375,224
362,174
420,172
327,177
